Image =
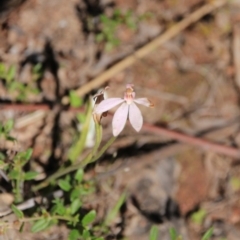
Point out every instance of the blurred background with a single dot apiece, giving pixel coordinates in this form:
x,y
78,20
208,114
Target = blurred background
x,y
48,48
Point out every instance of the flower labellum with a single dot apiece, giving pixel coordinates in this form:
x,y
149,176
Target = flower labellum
x,y
127,110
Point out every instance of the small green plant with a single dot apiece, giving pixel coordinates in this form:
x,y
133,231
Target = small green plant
x,y
5,130
19,89
17,175
75,189
174,235
14,167
5,135
112,214
75,101
109,26
37,71
68,208
153,235
199,216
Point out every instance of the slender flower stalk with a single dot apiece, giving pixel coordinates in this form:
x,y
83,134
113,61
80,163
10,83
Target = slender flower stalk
x,y
127,110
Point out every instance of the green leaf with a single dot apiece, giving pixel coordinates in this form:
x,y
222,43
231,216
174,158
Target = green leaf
x,y
87,189
40,225
79,175
208,234
75,100
199,216
153,233
17,212
11,138
28,153
37,68
59,207
8,126
99,37
112,214
14,174
173,234
34,91
75,220
86,234
30,175
75,193
89,218
64,185
2,70
11,74
73,235
2,158
75,205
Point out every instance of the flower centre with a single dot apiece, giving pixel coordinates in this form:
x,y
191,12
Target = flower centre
x,y
129,95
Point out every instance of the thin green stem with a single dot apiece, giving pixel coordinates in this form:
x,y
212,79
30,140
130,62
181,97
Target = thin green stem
x,y
17,189
63,171
98,129
104,149
18,193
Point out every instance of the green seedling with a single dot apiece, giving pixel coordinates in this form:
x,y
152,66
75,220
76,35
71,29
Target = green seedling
x,y
5,130
15,87
174,235
17,175
199,216
153,235
37,71
113,213
75,101
109,27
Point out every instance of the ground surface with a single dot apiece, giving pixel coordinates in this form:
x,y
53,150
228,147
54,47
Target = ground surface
x,y
193,79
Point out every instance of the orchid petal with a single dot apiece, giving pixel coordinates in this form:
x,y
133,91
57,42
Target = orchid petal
x,y
144,101
135,117
120,118
107,104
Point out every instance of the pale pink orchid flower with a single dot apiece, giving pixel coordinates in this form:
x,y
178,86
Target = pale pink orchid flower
x,y
127,110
